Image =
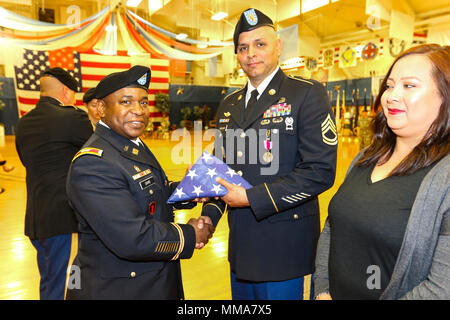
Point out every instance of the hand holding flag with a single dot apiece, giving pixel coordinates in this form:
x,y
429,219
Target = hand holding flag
x,y
200,181
236,195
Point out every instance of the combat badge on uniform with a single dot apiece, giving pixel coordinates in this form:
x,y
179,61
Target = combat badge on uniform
x,y
91,151
329,132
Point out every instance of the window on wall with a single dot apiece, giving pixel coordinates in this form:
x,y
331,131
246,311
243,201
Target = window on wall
x,y
47,15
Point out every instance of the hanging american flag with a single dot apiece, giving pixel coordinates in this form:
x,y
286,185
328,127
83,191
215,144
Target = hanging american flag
x,y
34,63
200,181
88,69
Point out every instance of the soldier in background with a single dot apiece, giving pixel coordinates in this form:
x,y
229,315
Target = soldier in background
x,y
47,138
91,103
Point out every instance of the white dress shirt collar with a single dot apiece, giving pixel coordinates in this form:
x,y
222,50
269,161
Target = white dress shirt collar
x,y
262,86
135,141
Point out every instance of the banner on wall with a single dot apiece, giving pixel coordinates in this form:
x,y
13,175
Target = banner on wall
x,y
177,67
347,57
328,58
369,51
289,38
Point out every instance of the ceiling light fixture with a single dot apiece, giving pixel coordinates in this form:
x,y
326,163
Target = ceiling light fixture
x,y
219,16
155,5
181,36
133,3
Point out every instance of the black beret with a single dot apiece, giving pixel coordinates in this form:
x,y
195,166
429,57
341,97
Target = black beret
x,y
137,76
63,76
250,19
89,95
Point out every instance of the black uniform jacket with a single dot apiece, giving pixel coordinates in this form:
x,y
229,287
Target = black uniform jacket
x,y
47,138
275,238
129,245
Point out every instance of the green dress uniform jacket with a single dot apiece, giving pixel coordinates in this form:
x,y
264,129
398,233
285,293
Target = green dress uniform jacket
x,y
47,138
286,148
129,245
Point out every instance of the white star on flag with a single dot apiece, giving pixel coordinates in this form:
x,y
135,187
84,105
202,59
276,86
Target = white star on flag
x,y
211,172
197,190
179,193
231,172
216,188
192,174
200,181
207,157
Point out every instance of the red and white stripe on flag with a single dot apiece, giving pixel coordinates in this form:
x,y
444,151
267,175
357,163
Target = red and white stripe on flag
x,y
92,68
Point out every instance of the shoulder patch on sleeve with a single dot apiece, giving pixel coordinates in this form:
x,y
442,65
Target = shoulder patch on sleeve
x,y
300,79
91,151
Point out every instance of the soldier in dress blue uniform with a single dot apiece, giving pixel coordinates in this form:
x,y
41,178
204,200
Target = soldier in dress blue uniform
x,y
47,139
129,245
90,102
282,139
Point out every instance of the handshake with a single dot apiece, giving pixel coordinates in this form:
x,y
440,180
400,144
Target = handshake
x,y
204,230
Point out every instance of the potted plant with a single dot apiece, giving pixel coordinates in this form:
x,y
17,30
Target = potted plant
x,y
185,115
162,103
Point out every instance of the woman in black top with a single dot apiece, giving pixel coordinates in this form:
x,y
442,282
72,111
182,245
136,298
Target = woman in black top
x,y
369,214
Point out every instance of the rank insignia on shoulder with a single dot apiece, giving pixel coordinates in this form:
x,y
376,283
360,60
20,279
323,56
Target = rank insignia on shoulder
x,y
329,132
91,151
277,110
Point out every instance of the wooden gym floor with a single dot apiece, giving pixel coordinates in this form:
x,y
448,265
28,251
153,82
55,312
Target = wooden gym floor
x,y
19,275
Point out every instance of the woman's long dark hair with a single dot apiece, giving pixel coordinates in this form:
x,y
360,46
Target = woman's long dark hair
x,y
435,144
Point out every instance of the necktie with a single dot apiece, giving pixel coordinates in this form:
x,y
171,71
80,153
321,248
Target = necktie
x,y
141,145
251,103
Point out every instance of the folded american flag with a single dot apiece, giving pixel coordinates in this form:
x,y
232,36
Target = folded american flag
x,y
200,181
